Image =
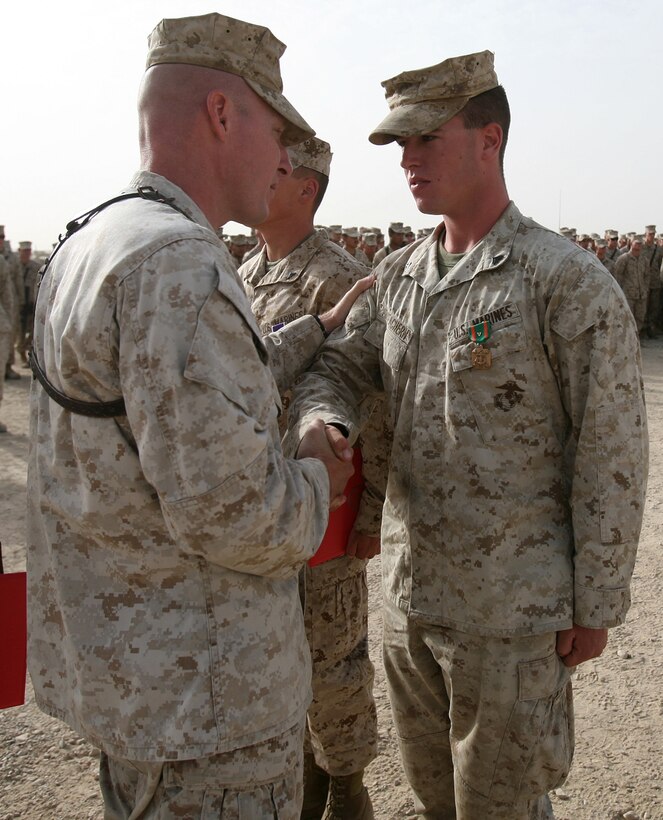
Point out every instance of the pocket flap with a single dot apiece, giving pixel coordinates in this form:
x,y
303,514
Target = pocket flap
x,y
541,678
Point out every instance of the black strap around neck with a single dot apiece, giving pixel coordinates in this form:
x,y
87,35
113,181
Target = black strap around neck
x,y
96,409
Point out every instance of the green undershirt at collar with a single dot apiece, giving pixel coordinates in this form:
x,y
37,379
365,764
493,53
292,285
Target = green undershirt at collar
x,y
445,260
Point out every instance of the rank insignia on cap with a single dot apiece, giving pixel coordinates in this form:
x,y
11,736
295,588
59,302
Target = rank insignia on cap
x,y
480,332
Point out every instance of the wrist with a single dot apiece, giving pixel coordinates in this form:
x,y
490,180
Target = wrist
x,y
321,324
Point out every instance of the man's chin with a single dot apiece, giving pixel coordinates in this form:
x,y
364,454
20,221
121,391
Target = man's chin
x,y
425,207
255,220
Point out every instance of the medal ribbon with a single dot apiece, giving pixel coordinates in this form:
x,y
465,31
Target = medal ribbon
x,y
480,332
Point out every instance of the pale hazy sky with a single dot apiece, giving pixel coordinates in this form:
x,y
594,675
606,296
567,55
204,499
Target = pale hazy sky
x,y
583,79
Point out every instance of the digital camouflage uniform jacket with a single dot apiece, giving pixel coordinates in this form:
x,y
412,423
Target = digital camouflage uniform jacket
x,y
311,279
164,547
515,493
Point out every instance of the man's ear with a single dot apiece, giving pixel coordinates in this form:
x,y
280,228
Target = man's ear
x,y
219,112
492,139
310,189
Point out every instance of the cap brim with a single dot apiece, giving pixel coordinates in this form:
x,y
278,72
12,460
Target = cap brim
x,y
297,129
416,119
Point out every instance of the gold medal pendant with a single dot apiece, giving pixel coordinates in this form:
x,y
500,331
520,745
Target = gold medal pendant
x,y
482,358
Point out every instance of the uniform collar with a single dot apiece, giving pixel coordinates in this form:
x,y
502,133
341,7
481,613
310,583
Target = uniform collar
x,y
490,253
291,267
171,191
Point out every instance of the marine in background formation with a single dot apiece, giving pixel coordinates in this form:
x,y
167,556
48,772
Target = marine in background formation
x,y
350,241
7,298
396,241
29,271
13,271
299,271
640,274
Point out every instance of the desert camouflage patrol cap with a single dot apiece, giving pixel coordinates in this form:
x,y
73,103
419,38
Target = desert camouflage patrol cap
x,y
353,233
424,99
226,44
313,153
650,228
369,238
396,227
25,246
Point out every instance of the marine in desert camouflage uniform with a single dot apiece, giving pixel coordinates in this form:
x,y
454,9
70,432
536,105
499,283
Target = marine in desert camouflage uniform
x,y
29,272
612,251
396,240
511,369
602,255
166,531
7,297
350,242
369,245
301,271
653,255
13,268
632,273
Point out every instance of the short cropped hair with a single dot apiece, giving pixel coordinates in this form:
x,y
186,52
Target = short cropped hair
x,y
491,106
323,181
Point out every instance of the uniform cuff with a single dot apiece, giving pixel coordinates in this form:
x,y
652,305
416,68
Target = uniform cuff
x,y
601,608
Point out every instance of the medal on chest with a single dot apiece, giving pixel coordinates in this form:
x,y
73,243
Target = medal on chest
x,y
482,358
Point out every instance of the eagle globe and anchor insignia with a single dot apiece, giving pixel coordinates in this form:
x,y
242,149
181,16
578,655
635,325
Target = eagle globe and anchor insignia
x,y
513,395
482,360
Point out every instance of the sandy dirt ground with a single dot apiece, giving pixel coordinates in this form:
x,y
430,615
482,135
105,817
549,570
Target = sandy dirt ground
x,y
48,772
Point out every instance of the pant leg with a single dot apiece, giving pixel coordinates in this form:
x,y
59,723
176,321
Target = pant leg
x,y
254,783
419,696
640,313
5,345
653,309
342,718
511,724
16,330
485,725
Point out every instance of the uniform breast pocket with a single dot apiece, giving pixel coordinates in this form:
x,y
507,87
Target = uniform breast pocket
x,y
393,349
502,396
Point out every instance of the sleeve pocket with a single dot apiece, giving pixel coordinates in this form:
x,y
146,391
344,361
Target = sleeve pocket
x,y
226,354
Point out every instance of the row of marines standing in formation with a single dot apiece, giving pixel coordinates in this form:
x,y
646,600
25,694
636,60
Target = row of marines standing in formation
x,y
191,429
639,273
